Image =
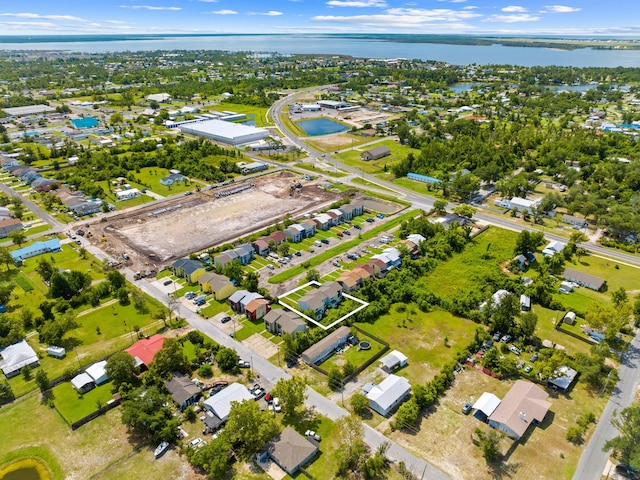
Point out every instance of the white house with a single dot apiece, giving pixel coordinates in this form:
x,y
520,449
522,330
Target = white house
x,y
98,372
553,248
387,395
496,299
128,194
220,403
17,356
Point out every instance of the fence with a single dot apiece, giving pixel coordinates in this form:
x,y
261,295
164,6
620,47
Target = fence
x,y
587,340
360,369
111,404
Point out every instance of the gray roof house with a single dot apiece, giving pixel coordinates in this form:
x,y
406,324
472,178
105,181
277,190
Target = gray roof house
x,y
309,227
385,397
350,210
295,233
239,299
281,321
329,295
220,403
393,360
225,258
183,391
325,347
563,377
290,450
584,279
8,225
375,153
17,356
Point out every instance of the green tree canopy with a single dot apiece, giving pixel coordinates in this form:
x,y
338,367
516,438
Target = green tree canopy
x,y
291,393
626,446
169,359
250,427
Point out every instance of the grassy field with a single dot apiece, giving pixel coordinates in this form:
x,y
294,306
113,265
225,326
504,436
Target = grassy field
x,y
333,143
73,406
398,152
466,269
421,337
259,114
316,171
353,355
419,187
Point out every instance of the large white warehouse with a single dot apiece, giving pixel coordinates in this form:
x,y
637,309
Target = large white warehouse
x,y
225,132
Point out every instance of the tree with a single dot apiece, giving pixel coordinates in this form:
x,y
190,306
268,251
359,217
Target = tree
x,y
250,427
205,371
5,292
407,414
26,373
121,368
5,257
214,457
53,330
489,443
18,237
626,446
116,280
528,324
283,249
251,282
464,210
334,378
360,404
527,241
45,269
169,359
227,359
313,275
352,449
440,206
619,297
147,414
42,380
292,393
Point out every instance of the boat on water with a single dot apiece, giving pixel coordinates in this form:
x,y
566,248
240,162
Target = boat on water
x,y
160,449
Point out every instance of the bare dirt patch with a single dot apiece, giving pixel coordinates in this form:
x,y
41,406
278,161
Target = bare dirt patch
x,y
200,221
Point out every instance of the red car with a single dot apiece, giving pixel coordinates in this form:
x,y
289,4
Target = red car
x,y
340,234
268,398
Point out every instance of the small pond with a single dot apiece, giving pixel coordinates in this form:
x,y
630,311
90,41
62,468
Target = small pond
x,y
321,126
25,469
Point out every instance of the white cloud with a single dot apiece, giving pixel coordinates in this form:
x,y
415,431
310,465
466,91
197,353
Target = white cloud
x,y
223,12
458,1
357,3
209,1
69,18
272,13
150,7
561,9
29,24
434,15
513,9
521,17
443,19
115,22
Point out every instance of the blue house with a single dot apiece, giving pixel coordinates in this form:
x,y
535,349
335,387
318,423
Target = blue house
x,y
295,233
35,249
327,296
245,253
88,122
172,178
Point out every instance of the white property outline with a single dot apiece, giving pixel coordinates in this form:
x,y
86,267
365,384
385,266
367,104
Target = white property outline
x,y
362,306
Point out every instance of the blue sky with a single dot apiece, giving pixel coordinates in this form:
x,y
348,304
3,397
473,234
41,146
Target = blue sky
x,y
567,17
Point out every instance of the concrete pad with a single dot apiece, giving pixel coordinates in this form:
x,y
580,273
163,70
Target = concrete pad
x,y
261,345
273,470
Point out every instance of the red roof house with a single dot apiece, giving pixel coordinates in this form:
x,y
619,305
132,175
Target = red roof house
x,y
144,350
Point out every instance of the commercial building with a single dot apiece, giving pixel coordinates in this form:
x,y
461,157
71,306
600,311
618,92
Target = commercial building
x,y
28,110
226,132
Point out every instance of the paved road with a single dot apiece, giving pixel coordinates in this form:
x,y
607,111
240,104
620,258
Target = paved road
x,y
56,224
593,459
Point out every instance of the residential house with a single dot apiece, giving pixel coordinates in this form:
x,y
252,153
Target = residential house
x,y
485,405
191,270
172,178
574,221
278,237
376,265
584,279
128,194
281,321
225,258
325,347
294,233
520,204
144,350
349,280
8,225
17,356
375,153
182,390
7,162
351,210
309,228
5,213
323,221
525,303
290,450
552,248
261,247
563,378
257,308
82,382
389,394
392,361
43,184
337,215
35,249
241,298
219,285
29,176
328,295
98,372
521,261
220,403
391,258
496,300
86,207
245,253
451,219
524,404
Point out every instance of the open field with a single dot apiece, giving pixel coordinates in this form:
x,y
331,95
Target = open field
x,y
421,337
398,152
333,143
486,252
201,220
73,406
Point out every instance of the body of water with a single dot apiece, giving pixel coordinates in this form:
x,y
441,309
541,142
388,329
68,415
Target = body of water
x,y
321,126
357,47
24,473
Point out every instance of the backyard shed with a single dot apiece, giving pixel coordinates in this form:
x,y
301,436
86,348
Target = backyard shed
x,y
393,360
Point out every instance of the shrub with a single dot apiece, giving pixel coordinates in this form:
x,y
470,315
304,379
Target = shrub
x,y
205,371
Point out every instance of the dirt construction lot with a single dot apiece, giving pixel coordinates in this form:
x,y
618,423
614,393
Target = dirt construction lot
x,y
200,221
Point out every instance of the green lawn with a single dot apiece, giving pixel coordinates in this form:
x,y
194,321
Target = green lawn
x,y
421,337
336,142
353,354
317,171
546,330
246,328
464,270
74,406
368,184
423,188
259,114
615,274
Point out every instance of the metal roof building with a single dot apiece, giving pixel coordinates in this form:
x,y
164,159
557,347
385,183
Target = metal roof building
x,y
226,132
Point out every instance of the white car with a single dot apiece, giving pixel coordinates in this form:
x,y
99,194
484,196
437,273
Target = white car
x,y
195,442
312,434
